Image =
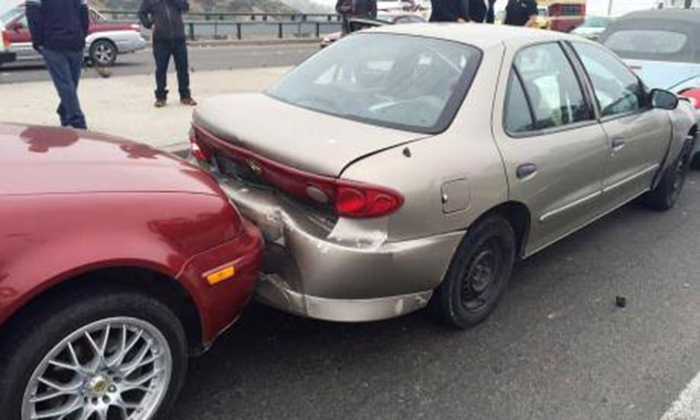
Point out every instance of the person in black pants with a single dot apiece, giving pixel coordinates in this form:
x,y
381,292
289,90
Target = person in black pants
x,y
58,29
165,18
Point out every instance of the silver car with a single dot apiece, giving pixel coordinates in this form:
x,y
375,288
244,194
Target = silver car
x,y
412,165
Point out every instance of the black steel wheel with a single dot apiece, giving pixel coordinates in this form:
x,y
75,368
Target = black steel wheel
x,y
478,275
666,194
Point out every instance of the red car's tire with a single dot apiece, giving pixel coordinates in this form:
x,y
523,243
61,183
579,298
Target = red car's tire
x,y
98,346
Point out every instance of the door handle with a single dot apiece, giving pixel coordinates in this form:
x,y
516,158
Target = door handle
x,y
526,171
618,144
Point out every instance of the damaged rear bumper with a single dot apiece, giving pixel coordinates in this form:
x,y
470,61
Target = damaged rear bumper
x,y
341,270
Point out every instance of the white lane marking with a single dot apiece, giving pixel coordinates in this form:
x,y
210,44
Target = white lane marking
x,y
687,406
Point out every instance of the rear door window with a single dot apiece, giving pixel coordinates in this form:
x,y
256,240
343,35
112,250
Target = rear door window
x,y
551,88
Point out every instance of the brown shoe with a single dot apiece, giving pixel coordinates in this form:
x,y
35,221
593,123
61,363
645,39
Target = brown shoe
x,y
188,102
160,103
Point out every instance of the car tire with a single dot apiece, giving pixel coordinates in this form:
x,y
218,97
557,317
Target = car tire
x,y
103,53
63,343
478,274
665,196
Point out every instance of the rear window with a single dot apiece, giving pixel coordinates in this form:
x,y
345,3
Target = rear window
x,y
405,82
645,41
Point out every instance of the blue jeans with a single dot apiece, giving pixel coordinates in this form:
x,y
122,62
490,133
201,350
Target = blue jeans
x,y
162,51
65,67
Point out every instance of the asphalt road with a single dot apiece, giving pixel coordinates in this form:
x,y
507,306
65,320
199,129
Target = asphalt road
x,y
201,59
558,348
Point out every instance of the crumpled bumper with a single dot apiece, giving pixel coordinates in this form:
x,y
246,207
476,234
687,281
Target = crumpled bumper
x,y
342,270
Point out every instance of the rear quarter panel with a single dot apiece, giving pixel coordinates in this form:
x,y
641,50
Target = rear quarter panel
x,y
466,152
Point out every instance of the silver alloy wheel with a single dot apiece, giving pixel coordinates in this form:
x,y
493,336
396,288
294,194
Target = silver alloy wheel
x,y
103,54
116,368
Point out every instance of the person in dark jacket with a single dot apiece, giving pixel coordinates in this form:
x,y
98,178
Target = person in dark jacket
x,y
165,18
450,11
355,8
521,12
58,29
477,11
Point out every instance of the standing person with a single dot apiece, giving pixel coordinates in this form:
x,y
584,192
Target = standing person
x,y
165,18
491,14
58,29
521,12
477,11
450,11
355,8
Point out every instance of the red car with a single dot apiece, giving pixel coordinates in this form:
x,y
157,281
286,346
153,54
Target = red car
x,y
117,261
105,41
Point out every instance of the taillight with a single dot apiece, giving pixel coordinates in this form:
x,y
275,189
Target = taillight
x,y
198,152
346,198
6,39
693,95
361,201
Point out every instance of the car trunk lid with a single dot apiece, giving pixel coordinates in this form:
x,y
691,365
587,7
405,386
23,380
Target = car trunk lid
x,y
293,136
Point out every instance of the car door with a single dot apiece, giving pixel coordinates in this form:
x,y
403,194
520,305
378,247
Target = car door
x,y
638,136
553,148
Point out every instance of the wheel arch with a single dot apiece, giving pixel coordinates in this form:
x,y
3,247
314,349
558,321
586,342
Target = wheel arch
x,y
519,217
153,283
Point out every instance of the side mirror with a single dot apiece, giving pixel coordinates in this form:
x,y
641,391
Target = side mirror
x,y
663,99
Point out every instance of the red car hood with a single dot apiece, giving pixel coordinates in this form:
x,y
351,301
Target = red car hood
x,y
45,160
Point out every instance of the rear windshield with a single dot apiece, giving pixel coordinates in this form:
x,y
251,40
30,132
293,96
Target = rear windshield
x,y
650,44
404,82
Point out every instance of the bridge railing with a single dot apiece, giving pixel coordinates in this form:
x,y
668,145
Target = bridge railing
x,y
248,25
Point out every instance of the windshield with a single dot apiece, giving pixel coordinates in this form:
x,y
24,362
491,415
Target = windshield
x,y
10,15
405,82
596,22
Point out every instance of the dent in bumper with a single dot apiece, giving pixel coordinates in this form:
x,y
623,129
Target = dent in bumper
x,y
346,271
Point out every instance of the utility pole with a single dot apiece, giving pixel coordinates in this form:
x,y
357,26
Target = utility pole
x,y
610,5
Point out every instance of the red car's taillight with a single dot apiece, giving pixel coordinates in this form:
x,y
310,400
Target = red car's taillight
x,y
6,40
693,95
347,198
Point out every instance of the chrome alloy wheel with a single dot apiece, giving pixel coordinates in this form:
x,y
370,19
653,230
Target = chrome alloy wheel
x,y
113,369
104,54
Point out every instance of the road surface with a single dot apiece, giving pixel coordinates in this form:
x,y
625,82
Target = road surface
x,y
201,59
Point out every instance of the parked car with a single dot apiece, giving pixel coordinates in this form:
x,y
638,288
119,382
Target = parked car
x,y
592,27
416,163
358,24
116,262
661,46
105,41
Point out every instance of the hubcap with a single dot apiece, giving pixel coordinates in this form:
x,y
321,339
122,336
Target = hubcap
x,y
104,54
114,369
481,279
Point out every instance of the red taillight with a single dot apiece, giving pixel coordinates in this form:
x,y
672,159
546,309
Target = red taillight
x,y
693,95
347,198
365,201
198,152
6,40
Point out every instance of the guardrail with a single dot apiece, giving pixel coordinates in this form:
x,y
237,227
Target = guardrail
x,y
243,25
